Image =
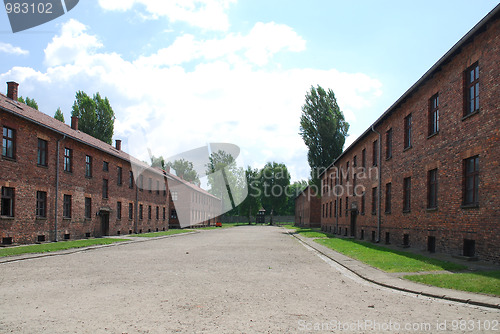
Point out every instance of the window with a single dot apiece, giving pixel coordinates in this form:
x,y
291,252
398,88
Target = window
x,y
130,211
346,206
7,202
363,158
9,143
174,195
105,166
104,188
355,161
118,210
407,194
88,207
335,208
434,115
471,181
432,189
150,185
375,153
157,187
331,203
164,213
340,207
388,194
67,206
140,211
407,143
88,166
173,214
354,180
141,182
374,201
131,180
68,157
347,171
149,212
388,144
41,204
157,212
363,203
41,158
119,174
471,89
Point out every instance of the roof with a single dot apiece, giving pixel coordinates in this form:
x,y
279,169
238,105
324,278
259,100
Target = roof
x,y
32,115
478,28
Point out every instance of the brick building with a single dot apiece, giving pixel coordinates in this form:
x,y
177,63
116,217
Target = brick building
x,y
308,208
59,183
426,174
191,205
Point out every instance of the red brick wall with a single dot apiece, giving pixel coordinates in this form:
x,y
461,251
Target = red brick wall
x,y
27,178
307,209
458,138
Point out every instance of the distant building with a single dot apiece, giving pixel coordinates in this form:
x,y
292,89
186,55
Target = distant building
x,y
437,151
307,208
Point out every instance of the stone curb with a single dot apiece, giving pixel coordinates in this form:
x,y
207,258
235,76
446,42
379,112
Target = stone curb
x,y
382,278
136,239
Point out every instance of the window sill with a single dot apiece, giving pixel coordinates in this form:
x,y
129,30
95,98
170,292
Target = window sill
x,y
88,177
406,211
387,212
66,218
470,206
407,148
362,213
42,166
388,158
470,114
432,209
7,218
68,172
41,218
8,158
432,135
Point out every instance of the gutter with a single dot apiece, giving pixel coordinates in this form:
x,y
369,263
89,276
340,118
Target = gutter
x,y
56,204
379,195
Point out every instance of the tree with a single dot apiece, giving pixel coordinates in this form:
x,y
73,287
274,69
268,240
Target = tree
x,y
185,170
226,180
323,129
274,180
158,162
59,115
29,102
96,117
251,205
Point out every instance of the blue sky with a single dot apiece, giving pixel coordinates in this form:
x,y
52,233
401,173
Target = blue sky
x,y
183,73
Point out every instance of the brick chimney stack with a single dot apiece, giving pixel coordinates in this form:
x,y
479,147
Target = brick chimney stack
x,y
118,144
12,90
74,122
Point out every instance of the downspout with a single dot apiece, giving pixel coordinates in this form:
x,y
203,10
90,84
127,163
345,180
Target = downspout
x,y
136,211
379,199
57,187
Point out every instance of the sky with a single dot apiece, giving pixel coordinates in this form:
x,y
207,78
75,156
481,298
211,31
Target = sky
x,y
181,74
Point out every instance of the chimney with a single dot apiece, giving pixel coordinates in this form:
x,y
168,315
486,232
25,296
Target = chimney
x,y
74,122
118,144
12,90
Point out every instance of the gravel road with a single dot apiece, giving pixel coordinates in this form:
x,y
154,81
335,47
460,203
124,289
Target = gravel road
x,y
254,279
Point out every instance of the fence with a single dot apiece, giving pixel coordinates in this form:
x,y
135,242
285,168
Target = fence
x,y
243,219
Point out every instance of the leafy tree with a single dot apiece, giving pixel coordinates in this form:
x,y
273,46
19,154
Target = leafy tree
x,y
158,162
96,117
29,102
184,169
323,129
251,205
274,180
59,115
226,180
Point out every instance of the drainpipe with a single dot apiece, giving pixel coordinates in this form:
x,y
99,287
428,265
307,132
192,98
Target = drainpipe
x,y
379,200
136,211
57,187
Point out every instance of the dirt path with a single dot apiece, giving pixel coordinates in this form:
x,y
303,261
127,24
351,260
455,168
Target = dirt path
x,y
237,280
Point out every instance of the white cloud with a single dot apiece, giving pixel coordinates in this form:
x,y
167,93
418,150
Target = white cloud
x,y
205,14
9,48
225,97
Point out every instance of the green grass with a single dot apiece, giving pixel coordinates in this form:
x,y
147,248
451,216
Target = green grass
x,y
56,246
389,260
160,234
487,282
309,232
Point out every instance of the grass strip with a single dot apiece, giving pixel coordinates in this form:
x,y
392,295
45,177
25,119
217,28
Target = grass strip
x,y
309,232
487,282
56,246
160,234
387,259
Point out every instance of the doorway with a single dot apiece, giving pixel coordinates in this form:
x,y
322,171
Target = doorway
x,y
104,223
